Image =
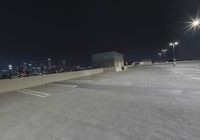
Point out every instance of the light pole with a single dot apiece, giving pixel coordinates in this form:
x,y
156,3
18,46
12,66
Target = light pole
x,y
164,52
159,54
49,64
10,67
173,45
194,24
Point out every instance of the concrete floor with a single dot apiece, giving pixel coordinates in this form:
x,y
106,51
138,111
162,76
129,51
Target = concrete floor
x,y
143,103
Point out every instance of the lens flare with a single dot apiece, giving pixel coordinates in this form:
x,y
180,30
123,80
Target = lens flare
x,y
194,24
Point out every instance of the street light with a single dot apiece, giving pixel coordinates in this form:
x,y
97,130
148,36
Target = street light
x,y
164,52
194,23
160,54
173,45
10,67
49,59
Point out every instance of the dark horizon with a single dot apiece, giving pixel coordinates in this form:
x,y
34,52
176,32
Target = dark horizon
x,y
76,30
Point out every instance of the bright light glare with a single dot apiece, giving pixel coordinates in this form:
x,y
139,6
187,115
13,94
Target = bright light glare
x,y
173,44
176,43
10,67
194,24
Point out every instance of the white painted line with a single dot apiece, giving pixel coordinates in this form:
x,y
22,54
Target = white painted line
x,y
171,92
63,85
188,75
196,78
24,92
36,92
180,72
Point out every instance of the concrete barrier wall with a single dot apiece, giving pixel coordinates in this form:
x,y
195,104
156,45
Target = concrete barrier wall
x,y
25,82
129,66
115,69
109,69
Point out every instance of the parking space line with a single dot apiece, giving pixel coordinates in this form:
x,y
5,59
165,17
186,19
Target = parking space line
x,y
37,92
188,75
25,92
64,85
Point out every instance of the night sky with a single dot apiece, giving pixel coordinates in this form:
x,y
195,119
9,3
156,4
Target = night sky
x,y
75,30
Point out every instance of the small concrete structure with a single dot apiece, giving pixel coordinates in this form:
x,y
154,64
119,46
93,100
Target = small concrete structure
x,y
110,61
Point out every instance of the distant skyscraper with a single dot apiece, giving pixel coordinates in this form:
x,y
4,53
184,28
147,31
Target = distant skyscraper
x,y
25,67
49,64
